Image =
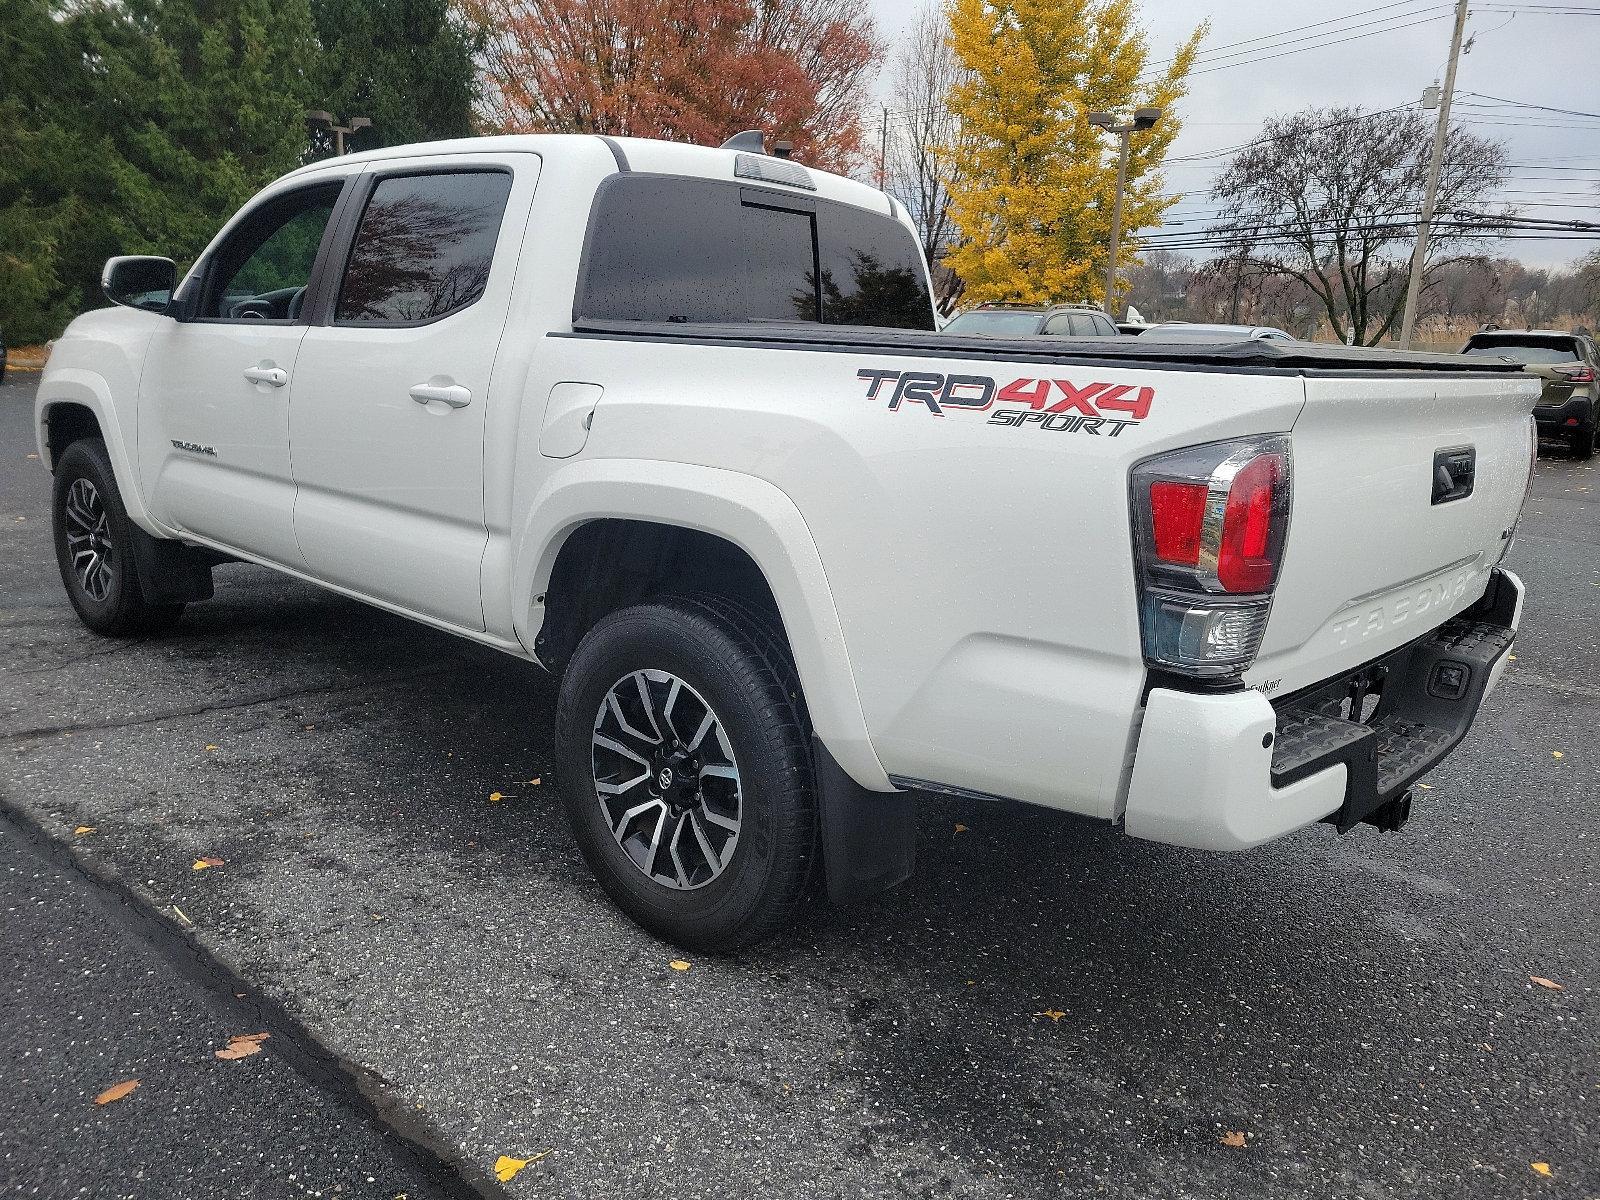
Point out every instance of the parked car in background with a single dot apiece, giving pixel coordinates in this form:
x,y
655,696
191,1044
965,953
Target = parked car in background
x,y
1186,331
1567,363
1009,320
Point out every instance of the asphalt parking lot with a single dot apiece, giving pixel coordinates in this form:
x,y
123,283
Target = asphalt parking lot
x,y
1049,1008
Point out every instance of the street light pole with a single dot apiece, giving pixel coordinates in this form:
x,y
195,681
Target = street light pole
x,y
1419,251
316,119
1143,118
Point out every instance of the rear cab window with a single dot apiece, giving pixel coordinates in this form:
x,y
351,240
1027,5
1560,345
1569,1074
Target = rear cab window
x,y
665,248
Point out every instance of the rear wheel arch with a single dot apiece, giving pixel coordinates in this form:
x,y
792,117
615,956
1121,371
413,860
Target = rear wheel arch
x,y
610,563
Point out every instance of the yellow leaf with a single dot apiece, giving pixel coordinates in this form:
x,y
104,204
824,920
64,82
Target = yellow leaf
x,y
116,1092
506,1167
678,964
83,829
201,864
495,797
1427,787
1557,754
961,828
213,747
1548,983
1055,1014
1542,1168
1234,1138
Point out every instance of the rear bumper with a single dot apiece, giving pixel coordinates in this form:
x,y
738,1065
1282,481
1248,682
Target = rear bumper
x,y
1553,419
1233,770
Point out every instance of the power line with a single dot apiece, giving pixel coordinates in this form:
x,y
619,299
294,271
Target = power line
x,y
1266,37
1571,112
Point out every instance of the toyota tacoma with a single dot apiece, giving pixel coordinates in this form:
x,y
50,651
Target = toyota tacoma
x,y
675,424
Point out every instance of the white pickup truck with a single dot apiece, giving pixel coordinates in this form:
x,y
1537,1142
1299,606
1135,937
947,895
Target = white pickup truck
x,y
675,423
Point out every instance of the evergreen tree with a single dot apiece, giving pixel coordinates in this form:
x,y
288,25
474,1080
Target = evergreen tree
x,y
404,64
1031,182
136,127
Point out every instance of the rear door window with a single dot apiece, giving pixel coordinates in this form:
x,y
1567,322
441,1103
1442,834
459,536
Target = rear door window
x,y
424,247
671,249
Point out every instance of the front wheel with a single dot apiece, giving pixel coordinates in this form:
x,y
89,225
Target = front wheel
x,y
94,547
683,756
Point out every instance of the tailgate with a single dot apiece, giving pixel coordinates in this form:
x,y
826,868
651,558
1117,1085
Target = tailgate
x,y
1379,551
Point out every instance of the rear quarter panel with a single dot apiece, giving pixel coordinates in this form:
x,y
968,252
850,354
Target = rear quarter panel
x,y
982,572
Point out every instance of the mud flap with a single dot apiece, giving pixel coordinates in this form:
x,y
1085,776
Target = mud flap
x,y
869,839
169,571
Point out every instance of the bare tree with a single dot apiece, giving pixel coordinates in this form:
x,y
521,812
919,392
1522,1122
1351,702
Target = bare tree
x,y
1330,197
922,72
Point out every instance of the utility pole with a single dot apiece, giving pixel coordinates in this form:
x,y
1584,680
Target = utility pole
x,y
324,120
883,149
1143,118
1419,252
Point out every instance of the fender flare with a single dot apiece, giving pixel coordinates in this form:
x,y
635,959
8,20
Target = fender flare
x,y
88,389
752,514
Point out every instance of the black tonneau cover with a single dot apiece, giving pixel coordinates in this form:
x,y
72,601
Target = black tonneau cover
x,y
1246,355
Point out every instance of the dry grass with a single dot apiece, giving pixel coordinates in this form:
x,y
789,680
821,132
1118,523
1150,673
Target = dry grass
x,y
25,358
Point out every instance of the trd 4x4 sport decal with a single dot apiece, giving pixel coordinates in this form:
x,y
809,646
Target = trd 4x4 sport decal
x,y
1054,404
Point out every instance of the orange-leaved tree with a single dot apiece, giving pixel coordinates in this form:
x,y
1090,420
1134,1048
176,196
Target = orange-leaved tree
x,y
685,70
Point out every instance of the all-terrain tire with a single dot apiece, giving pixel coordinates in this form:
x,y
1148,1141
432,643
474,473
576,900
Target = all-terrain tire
x,y
731,668
95,547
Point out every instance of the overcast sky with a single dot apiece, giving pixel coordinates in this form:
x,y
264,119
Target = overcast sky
x,y
1522,50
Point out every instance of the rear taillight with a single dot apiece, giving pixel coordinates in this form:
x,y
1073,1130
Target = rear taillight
x,y
1581,375
1209,529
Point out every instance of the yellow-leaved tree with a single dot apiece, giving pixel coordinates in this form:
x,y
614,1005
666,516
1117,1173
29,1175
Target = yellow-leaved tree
x,y
1031,182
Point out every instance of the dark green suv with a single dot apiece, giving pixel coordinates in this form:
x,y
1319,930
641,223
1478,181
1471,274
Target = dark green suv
x,y
1568,363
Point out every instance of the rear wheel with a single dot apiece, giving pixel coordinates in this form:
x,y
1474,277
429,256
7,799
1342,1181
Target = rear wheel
x,y
1582,444
683,755
94,547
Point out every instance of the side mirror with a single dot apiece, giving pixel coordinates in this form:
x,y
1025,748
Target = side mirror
x,y
140,281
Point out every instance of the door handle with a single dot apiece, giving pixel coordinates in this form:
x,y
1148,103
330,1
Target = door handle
x,y
452,394
276,376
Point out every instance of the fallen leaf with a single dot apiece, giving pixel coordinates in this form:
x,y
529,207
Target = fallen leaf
x,y
213,747
495,797
1427,787
534,782
116,1092
1557,754
201,864
1234,1138
1055,1014
33,458
1511,658
1542,1168
181,915
242,1046
961,828
506,1167
83,829
678,964
1548,983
